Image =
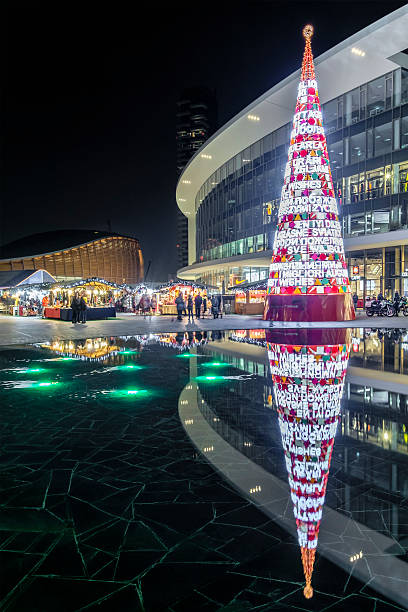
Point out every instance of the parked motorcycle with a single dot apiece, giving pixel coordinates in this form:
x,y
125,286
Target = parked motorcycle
x,y
382,308
403,306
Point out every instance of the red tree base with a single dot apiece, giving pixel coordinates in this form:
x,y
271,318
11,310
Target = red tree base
x,y
331,307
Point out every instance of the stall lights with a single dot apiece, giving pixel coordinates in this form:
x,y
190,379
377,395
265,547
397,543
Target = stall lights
x,y
356,557
254,118
256,489
205,156
185,182
189,422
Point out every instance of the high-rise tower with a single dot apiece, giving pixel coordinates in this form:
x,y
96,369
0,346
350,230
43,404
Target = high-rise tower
x,y
196,120
308,277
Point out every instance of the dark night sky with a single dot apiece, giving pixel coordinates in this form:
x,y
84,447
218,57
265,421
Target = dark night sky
x,y
88,101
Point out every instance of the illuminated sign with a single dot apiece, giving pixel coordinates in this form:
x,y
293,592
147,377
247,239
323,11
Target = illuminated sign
x,y
356,269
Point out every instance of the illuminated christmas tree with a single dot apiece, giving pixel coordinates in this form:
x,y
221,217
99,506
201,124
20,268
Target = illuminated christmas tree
x,y
308,277
308,369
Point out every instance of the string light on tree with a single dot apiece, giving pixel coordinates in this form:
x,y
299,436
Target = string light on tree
x,y
308,277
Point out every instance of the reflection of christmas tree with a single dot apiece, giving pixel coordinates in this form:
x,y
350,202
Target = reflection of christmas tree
x,y
308,368
308,277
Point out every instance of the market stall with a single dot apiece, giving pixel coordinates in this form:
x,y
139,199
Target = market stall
x,y
21,291
102,298
93,313
250,297
166,295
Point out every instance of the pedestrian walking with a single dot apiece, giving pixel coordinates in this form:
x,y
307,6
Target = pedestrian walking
x,y
204,305
198,300
355,300
75,305
82,310
180,307
190,308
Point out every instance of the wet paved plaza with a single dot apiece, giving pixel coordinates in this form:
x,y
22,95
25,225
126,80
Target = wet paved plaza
x,y
147,472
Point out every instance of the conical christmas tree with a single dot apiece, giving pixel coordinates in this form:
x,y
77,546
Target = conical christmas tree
x,y
308,369
308,277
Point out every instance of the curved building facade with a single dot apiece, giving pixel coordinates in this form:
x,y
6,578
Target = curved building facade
x,y
230,190
69,254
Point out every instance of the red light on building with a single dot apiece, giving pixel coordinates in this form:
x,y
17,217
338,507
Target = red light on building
x,y
356,269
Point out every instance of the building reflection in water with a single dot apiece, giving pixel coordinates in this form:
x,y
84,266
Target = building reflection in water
x,y
308,369
235,425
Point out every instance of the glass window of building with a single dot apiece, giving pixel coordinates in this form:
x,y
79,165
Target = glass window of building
x,y
354,188
336,154
388,91
330,116
356,272
357,145
363,101
404,86
381,220
404,132
357,224
403,177
383,139
375,96
375,183
352,106
374,271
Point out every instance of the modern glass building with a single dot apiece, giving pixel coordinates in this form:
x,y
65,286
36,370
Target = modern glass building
x,y
230,190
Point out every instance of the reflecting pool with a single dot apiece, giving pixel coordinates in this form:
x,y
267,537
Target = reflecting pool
x,y
234,470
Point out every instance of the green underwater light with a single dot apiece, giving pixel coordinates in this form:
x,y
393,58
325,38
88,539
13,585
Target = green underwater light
x,y
31,370
214,364
210,378
130,392
129,352
130,367
45,383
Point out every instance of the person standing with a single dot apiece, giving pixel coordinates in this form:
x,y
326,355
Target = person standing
x,y
198,300
75,305
180,307
190,308
214,306
204,305
82,310
397,300
355,301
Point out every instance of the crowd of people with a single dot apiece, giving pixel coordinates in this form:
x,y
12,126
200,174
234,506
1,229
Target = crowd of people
x,y
198,306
